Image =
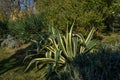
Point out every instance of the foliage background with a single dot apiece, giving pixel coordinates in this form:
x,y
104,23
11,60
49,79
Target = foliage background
x,y
86,13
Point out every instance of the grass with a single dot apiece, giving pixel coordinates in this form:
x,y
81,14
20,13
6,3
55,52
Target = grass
x,y
3,53
18,74
12,67
112,38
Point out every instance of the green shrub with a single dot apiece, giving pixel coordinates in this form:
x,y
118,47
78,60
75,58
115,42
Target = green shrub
x,y
61,52
28,28
101,65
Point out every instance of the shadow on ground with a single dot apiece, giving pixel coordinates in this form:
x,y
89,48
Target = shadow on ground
x,y
14,61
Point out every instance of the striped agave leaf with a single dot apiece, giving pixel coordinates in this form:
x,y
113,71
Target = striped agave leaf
x,y
87,42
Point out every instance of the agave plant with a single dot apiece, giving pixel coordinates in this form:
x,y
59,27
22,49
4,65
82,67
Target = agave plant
x,y
63,49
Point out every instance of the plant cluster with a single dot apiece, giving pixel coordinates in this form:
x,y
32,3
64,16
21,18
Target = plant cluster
x,y
70,57
61,52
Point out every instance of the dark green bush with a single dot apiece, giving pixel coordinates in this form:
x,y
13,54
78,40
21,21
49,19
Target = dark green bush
x,y
101,65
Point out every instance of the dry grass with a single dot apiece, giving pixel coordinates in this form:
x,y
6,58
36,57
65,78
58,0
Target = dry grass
x,y
114,37
16,73
19,75
6,52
